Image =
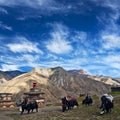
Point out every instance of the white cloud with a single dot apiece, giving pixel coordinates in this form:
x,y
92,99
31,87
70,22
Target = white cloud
x,y
80,40
80,36
109,18
115,65
3,10
105,65
111,41
7,67
51,56
23,60
30,58
62,40
44,6
112,61
3,26
58,43
3,49
30,3
113,4
22,45
112,58
21,18
115,73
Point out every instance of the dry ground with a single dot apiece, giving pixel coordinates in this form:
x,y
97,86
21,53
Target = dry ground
x,y
55,113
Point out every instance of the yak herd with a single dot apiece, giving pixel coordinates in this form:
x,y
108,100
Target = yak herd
x,y
69,102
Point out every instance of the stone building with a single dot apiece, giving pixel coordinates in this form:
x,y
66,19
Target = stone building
x,y
6,100
115,89
35,94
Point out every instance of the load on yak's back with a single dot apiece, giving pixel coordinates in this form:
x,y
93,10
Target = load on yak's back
x,y
68,103
106,103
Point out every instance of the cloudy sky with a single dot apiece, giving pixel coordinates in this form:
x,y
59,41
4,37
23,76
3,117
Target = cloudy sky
x,y
73,34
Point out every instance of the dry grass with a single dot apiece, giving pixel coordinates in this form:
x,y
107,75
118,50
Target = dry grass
x,y
80,113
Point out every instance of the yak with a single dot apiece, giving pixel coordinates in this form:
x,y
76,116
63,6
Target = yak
x,y
28,106
106,104
68,104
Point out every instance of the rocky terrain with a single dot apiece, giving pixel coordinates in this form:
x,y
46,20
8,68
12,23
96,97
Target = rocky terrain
x,y
8,75
104,79
23,83
75,83
55,83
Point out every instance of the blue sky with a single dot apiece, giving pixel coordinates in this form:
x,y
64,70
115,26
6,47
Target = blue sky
x,y
73,34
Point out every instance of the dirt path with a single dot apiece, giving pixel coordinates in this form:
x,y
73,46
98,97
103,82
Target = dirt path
x,y
51,108
3,115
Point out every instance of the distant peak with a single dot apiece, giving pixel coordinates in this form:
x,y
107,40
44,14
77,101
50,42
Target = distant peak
x,y
80,71
44,71
59,68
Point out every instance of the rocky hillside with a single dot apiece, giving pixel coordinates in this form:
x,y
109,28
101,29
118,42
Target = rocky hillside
x,y
55,83
117,79
74,83
23,83
104,79
8,75
2,80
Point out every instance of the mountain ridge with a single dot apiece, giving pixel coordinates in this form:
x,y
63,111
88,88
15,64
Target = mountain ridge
x,y
55,83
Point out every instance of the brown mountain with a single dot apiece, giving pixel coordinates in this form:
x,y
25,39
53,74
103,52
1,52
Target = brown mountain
x,y
76,83
8,75
55,83
104,79
23,83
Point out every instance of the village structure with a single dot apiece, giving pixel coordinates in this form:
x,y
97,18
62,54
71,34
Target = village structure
x,y
35,94
115,89
7,101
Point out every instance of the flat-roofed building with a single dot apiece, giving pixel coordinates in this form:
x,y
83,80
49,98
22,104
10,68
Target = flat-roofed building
x,y
6,100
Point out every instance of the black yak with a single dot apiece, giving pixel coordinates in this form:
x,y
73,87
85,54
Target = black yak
x,y
28,105
68,103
